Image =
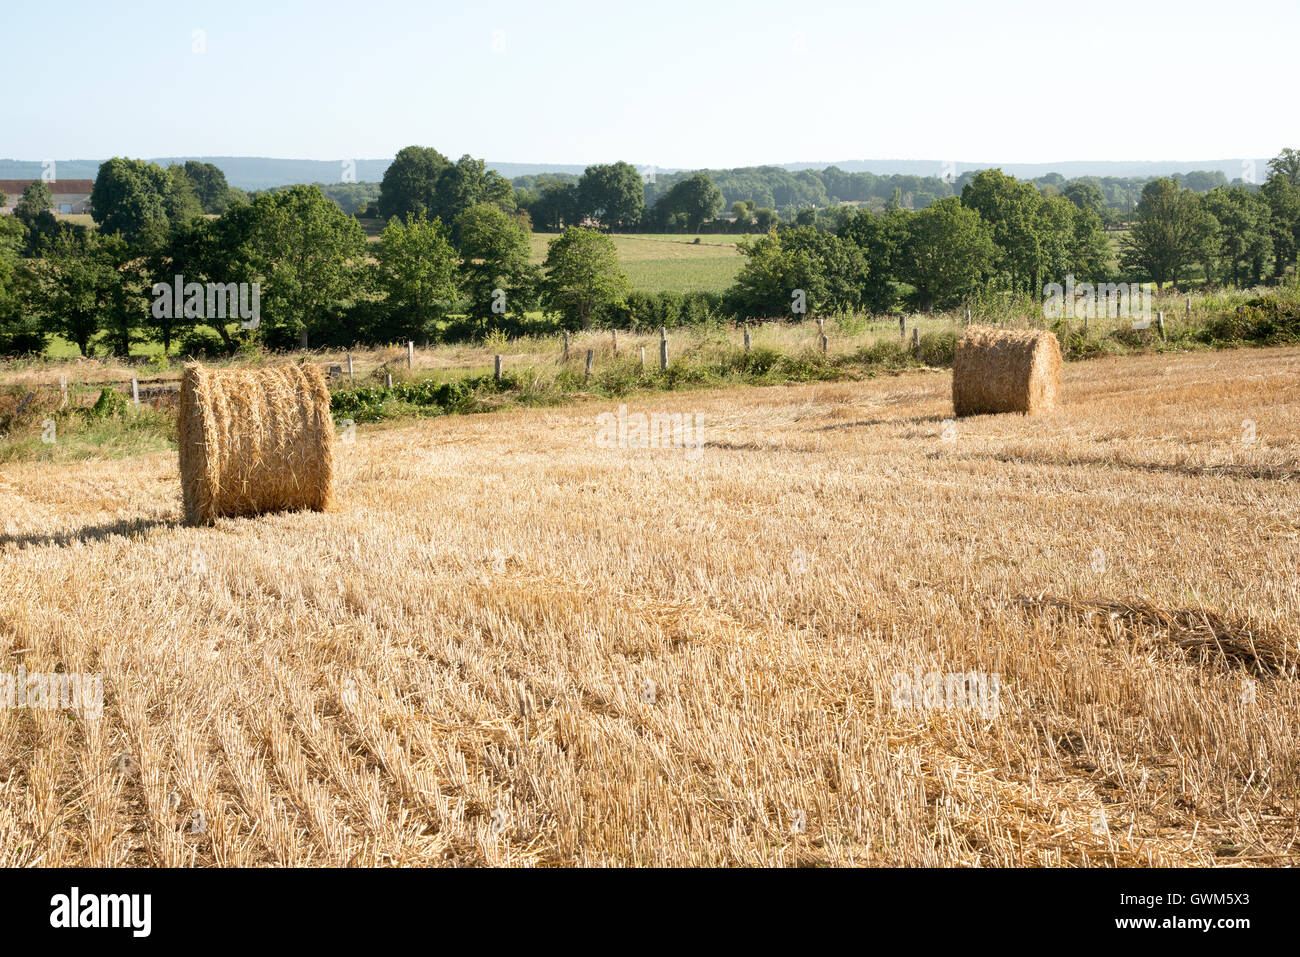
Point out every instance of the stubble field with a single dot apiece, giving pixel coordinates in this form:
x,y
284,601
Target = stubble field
x,y
514,644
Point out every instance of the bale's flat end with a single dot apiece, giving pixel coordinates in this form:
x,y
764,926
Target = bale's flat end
x,y
1006,370
254,441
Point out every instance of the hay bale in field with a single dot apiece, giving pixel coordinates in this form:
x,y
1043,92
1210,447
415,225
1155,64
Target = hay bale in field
x,y
255,440
1005,370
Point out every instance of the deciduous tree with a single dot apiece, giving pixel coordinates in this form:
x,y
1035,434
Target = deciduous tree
x,y
583,276
948,251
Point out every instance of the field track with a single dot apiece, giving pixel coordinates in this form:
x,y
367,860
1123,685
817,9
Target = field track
x,y
513,646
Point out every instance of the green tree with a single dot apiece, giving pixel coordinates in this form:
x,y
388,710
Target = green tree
x,y
36,199
949,248
1287,166
613,195
1282,193
309,252
1090,251
182,199
1171,233
841,266
1010,208
694,200
1242,243
468,183
20,332
1085,194
1054,226
410,184
78,290
583,276
495,249
33,211
206,251
743,210
556,206
417,271
774,281
797,272
881,238
131,197
210,186
124,300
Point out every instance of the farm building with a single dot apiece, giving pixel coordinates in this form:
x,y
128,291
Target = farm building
x,y
70,195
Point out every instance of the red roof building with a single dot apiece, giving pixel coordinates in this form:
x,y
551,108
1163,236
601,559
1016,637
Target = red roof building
x,y
70,195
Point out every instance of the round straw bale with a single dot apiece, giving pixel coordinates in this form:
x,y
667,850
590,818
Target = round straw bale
x,y
1006,370
255,440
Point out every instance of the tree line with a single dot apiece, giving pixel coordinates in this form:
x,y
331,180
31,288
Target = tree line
x,y
760,197
1002,235
453,260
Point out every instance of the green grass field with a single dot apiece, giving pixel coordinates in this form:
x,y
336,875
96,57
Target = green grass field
x,y
669,263
76,219
653,262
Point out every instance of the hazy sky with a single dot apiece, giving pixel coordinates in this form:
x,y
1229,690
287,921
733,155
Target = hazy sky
x,y
690,84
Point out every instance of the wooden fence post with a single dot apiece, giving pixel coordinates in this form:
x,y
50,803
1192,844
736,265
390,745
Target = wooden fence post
x,y
388,380
968,317
902,327
591,358
916,340
825,343
747,343
135,391
663,349
643,358
566,345
1160,323
614,333
63,387
410,354
496,373
350,367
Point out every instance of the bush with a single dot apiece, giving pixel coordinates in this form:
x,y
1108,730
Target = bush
x,y
21,335
937,348
110,404
758,362
362,321
370,403
887,352
1263,320
199,344
647,311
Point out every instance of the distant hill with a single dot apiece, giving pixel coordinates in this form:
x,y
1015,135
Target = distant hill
x,y
259,172
1070,169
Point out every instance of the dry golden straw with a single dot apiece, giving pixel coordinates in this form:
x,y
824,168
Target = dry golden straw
x,y
1006,370
460,668
255,440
